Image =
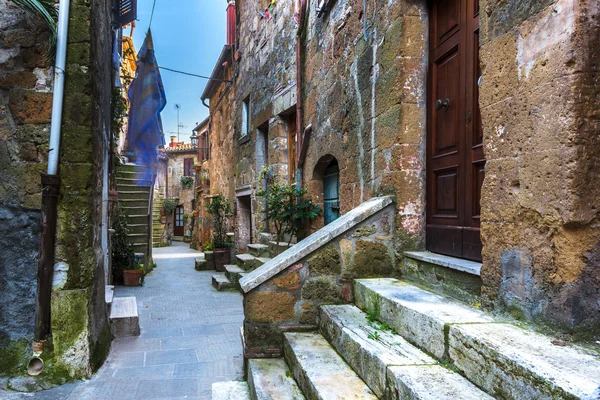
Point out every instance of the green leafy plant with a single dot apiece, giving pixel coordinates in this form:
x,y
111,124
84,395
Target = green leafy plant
x,y
123,256
208,246
187,182
48,11
375,335
169,205
285,207
220,210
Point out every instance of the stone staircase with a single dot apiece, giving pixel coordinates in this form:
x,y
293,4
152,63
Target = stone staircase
x,y
399,341
258,255
157,227
134,197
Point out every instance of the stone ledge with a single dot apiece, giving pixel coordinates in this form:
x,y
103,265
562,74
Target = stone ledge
x,y
470,267
312,243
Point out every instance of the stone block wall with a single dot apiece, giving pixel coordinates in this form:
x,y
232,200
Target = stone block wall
x,y
80,336
25,110
365,98
289,301
540,197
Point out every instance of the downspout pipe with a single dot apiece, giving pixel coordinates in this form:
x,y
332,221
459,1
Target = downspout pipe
x,y
301,7
50,189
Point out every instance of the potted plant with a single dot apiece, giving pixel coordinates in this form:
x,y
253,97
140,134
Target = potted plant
x,y
196,213
219,209
197,167
133,277
187,182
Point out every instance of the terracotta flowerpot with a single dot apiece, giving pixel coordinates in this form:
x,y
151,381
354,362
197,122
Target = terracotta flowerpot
x,y
163,219
196,213
222,258
131,277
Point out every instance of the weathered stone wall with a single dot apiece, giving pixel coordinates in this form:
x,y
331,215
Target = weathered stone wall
x,y
290,300
365,98
80,335
25,108
266,79
540,197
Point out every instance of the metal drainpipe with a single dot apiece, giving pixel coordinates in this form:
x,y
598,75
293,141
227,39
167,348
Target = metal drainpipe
x,y
50,187
299,111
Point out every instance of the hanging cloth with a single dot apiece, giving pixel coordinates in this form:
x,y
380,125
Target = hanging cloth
x,y
147,100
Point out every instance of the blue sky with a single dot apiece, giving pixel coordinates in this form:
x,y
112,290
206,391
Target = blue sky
x,y
188,36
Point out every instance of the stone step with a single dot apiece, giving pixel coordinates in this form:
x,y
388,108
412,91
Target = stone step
x,y
131,167
232,390
124,320
220,282
132,186
137,219
260,261
246,261
504,360
136,195
276,248
271,379
200,264
134,207
387,362
233,272
258,250
109,294
136,229
320,371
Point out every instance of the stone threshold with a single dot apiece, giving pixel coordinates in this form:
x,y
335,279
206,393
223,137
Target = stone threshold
x,y
458,264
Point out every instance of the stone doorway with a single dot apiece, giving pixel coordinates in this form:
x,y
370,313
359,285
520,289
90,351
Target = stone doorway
x,y
244,222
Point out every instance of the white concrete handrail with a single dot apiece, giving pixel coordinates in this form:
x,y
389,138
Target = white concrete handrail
x,y
312,243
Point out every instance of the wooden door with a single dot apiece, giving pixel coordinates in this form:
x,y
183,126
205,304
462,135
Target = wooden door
x,y
178,226
455,162
331,193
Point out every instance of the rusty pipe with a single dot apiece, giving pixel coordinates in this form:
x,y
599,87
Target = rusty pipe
x,y
50,186
301,14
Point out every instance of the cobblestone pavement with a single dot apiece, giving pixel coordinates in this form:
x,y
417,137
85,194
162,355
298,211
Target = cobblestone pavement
x,y
190,338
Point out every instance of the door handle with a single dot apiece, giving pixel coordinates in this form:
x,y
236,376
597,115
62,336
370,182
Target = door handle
x,y
439,104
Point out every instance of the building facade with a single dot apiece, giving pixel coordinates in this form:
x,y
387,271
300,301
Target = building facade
x,y
477,116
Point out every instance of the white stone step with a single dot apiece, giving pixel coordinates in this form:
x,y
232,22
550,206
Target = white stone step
x,y
320,371
258,250
220,282
502,359
371,350
271,379
124,320
231,390
417,315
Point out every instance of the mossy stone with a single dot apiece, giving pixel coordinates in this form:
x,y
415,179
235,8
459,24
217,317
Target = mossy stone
x,y
371,259
325,262
322,290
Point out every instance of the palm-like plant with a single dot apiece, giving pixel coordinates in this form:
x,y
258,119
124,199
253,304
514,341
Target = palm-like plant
x,y
48,11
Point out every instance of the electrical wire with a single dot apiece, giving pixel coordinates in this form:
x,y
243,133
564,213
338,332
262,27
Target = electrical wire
x,y
196,75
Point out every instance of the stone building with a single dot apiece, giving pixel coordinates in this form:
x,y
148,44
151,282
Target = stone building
x,y
175,180
478,117
80,336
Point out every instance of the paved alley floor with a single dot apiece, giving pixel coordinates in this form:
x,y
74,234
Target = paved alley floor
x,y
190,338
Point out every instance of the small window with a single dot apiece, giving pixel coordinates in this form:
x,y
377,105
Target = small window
x,y
188,166
245,117
204,146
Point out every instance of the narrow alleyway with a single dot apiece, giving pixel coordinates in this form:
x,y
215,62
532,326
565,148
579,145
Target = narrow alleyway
x,y
190,338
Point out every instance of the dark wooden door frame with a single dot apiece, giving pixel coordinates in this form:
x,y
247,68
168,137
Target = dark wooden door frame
x,y
453,215
178,230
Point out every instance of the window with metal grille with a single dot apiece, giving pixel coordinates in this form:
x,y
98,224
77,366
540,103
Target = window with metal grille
x,y
125,11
